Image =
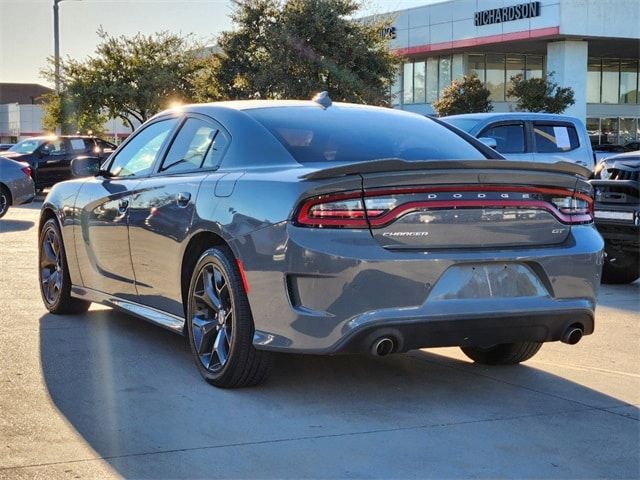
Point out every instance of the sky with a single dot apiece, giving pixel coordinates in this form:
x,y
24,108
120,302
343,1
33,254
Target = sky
x,y
26,26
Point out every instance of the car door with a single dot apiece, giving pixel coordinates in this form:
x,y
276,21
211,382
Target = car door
x,y
102,242
53,158
162,210
511,139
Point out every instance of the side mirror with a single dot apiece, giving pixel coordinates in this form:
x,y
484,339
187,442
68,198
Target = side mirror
x,y
85,166
489,142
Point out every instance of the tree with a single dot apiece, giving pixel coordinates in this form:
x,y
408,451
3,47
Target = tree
x,y
295,48
467,95
131,78
540,94
60,111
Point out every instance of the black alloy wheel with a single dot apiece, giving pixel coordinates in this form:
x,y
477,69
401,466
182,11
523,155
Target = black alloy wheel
x,y
219,323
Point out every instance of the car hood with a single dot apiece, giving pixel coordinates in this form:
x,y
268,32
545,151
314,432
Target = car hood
x,y
14,155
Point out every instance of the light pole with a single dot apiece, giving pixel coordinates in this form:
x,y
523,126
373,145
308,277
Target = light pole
x,y
56,45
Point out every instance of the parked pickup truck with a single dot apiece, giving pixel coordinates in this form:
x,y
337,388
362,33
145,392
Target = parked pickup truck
x,y
616,185
530,137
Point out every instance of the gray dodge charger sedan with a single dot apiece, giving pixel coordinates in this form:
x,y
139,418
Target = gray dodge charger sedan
x,y
255,227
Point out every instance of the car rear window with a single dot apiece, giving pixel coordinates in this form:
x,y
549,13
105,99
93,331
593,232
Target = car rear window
x,y
346,134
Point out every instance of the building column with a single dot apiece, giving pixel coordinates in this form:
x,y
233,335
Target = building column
x,y
568,60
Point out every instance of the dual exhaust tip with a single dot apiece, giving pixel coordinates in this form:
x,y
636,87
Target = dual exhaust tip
x,y
384,346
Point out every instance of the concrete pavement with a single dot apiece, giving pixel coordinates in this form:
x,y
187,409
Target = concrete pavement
x,y
105,395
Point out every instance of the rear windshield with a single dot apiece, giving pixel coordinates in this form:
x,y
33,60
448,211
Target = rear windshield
x,y
345,134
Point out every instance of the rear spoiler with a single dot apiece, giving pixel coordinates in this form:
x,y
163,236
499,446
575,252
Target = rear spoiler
x,y
398,164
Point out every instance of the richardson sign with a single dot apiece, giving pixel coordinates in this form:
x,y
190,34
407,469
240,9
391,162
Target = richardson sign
x,y
507,14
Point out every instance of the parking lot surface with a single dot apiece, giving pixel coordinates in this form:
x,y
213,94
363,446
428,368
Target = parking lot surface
x,y
107,395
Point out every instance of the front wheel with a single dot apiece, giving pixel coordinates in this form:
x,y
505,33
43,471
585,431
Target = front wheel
x,y
220,326
503,354
620,266
55,283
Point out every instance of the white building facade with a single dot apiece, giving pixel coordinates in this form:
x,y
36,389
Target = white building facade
x,y
592,46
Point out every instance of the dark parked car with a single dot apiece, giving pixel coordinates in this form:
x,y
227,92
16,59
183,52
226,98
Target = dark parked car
x,y
16,185
288,226
617,214
5,146
50,157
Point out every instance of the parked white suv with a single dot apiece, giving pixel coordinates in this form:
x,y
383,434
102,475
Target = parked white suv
x,y
535,137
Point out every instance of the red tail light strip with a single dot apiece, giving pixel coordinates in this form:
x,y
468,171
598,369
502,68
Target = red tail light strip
x,y
363,218
378,222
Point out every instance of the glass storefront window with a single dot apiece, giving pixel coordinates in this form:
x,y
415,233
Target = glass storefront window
x,y
593,130
407,83
495,73
628,130
457,67
610,80
444,73
475,65
628,81
594,70
515,66
535,66
419,77
432,80
609,130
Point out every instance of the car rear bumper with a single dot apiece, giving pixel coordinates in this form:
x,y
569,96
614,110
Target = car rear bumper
x,y
322,292
22,190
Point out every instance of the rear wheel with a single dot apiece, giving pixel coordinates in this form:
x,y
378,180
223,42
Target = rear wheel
x,y
620,266
220,326
503,354
55,283
5,200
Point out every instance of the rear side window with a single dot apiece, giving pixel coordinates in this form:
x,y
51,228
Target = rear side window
x,y
554,138
509,137
346,134
190,146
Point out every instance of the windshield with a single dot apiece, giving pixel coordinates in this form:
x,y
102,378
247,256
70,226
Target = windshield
x,y
345,134
26,146
465,124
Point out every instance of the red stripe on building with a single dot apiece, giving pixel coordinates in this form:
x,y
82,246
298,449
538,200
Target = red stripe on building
x,y
472,42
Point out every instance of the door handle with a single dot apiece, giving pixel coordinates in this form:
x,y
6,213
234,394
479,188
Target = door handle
x,y
183,199
123,205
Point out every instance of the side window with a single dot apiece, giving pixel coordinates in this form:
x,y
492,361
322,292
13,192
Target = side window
x,y
214,155
509,138
556,138
137,156
54,147
79,145
190,146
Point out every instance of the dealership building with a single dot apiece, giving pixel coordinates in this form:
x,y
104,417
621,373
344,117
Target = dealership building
x,y
592,46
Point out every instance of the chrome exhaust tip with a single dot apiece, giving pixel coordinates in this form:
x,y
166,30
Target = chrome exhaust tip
x,y
572,335
382,347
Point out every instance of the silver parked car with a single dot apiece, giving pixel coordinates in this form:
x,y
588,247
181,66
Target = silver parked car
x,y
533,137
254,227
16,184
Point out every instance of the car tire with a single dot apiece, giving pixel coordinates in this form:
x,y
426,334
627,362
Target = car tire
x,y
503,354
5,200
53,273
620,267
220,325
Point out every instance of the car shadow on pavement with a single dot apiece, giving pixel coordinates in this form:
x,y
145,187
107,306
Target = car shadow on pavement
x,y
131,391
14,225
624,297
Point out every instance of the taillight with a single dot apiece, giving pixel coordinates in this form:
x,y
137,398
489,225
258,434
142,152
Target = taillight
x,y
27,171
378,208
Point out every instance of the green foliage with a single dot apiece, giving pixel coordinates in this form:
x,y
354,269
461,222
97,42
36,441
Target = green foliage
x,y
61,111
467,95
295,48
132,78
540,94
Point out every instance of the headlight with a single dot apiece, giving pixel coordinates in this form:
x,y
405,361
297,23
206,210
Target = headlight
x,y
604,173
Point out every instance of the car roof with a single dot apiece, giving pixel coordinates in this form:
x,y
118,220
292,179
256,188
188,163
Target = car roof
x,y
513,115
